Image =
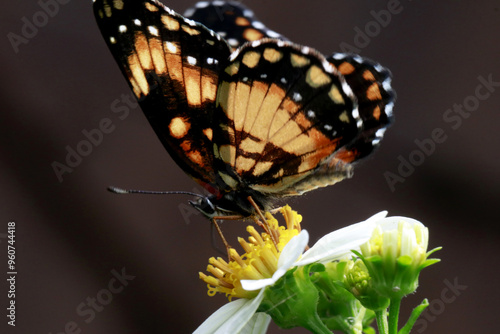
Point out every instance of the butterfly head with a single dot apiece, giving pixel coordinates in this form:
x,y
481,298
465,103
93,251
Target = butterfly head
x,y
233,203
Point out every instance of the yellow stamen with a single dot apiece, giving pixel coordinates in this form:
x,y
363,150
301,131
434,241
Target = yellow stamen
x,y
259,261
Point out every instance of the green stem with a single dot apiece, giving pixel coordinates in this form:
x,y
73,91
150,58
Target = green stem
x,y
414,316
394,315
381,317
358,321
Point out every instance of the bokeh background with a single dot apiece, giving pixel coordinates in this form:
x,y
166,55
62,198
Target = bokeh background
x,y
71,235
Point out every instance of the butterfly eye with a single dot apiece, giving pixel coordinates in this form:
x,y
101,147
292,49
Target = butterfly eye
x,y
205,206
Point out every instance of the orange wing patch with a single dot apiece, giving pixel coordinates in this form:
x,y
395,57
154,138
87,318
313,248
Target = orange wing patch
x,y
373,92
170,23
252,34
179,127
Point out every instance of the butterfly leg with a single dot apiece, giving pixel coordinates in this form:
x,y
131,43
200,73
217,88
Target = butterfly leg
x,y
263,224
219,231
275,210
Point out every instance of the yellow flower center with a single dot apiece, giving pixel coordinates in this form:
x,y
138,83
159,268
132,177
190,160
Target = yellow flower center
x,y
259,261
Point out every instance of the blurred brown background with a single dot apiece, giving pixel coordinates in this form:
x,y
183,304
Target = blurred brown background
x,y
72,234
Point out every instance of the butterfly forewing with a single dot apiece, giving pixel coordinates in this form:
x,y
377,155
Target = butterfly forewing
x,y
231,20
172,65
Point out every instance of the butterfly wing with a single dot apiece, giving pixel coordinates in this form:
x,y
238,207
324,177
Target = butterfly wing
x,y
371,83
287,112
172,64
231,20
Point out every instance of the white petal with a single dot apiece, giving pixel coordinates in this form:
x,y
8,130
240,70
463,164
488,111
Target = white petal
x,y
257,325
340,243
231,317
291,252
413,236
391,223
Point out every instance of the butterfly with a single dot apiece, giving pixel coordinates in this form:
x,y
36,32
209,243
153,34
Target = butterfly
x,y
249,115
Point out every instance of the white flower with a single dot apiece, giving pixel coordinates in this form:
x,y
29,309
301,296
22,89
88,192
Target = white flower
x,y
240,316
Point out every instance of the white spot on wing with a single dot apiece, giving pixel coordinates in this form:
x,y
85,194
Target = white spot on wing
x,y
248,13
171,47
122,28
189,12
233,42
339,56
297,97
388,109
191,60
202,4
154,31
190,22
328,67
273,34
357,59
258,25
379,68
380,133
137,22
387,84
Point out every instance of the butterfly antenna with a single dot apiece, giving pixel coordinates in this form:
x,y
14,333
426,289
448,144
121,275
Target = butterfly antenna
x,y
117,190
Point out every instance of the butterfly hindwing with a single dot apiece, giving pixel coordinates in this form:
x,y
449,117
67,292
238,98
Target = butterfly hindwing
x,y
371,83
172,65
287,111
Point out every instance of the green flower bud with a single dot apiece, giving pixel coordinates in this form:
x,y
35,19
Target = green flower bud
x,y
338,308
360,284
